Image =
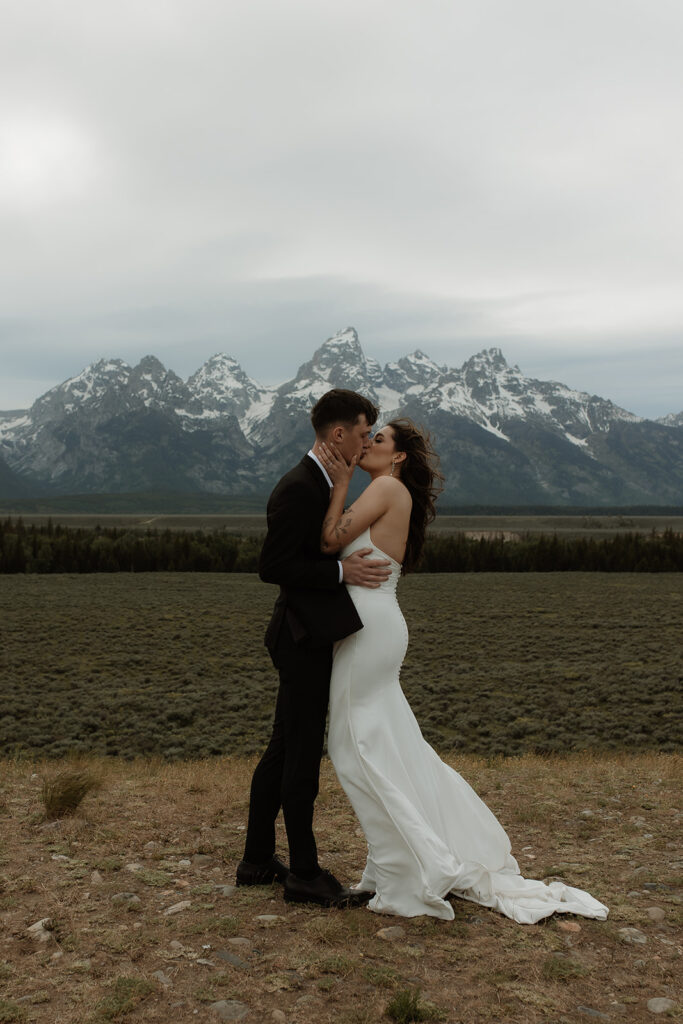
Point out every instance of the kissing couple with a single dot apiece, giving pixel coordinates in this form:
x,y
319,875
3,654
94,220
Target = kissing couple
x,y
337,637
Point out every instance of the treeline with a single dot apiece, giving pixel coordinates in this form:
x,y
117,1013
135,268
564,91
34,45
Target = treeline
x,y
624,552
50,549
55,549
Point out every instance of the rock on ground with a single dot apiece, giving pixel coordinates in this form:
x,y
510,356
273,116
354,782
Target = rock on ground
x,y
632,935
177,908
391,934
229,1009
230,958
224,890
163,978
41,931
129,899
660,1005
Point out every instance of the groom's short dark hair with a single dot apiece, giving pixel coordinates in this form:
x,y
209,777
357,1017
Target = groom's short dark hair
x,y
341,406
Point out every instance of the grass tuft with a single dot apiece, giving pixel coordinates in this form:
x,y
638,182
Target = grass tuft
x,y
407,1006
361,1016
126,995
63,792
380,975
10,1012
558,969
154,877
341,965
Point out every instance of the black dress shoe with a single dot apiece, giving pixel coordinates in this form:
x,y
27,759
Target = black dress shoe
x,y
324,890
274,870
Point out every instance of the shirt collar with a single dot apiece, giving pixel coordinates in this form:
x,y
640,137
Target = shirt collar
x,y
317,461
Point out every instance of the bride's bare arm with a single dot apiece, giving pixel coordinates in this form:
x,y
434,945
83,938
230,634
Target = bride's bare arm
x,y
341,527
331,536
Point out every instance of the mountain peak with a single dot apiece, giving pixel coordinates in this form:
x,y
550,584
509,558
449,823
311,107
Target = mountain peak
x,y
219,371
92,379
103,365
150,365
415,369
221,385
220,359
338,358
344,336
674,419
343,344
488,357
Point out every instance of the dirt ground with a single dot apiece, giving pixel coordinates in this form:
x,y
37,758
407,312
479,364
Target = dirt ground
x,y
160,837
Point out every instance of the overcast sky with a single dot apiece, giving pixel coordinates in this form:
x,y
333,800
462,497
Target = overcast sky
x,y
182,177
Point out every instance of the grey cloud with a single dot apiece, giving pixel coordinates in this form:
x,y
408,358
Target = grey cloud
x,y
255,175
302,313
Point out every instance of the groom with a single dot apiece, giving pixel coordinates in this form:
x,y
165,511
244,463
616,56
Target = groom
x,y
312,611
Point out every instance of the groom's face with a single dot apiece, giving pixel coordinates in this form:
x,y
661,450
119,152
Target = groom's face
x,y
353,440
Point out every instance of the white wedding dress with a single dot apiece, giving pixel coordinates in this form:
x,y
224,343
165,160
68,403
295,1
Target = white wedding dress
x,y
428,833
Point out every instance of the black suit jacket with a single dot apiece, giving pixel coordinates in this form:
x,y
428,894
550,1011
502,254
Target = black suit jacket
x,y
313,603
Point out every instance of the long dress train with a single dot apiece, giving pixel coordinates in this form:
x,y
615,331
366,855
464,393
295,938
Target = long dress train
x,y
428,832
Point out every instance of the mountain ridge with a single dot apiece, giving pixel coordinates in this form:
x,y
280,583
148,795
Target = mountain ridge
x,y
504,438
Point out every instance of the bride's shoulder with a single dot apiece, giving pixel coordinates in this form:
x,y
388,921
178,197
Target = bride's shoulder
x,y
390,487
388,482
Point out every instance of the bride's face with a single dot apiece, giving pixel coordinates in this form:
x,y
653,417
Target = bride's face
x,y
381,453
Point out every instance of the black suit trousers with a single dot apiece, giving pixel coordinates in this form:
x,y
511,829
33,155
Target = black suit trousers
x,y
288,774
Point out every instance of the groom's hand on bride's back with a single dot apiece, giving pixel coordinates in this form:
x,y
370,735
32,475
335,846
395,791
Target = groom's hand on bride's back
x,y
365,572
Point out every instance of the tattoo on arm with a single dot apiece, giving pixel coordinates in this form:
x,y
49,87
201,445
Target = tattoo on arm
x,y
342,526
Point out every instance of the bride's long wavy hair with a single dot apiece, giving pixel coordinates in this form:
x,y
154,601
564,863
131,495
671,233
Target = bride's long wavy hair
x,y
420,474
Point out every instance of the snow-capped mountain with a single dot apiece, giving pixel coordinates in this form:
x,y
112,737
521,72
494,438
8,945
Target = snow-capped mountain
x,y
674,419
503,438
221,387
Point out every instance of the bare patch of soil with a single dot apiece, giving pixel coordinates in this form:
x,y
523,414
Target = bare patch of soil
x,y
158,836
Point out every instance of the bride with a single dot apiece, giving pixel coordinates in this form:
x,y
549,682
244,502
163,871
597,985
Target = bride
x,y
428,833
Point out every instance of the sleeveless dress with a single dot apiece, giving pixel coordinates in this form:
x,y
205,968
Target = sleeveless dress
x,y
428,833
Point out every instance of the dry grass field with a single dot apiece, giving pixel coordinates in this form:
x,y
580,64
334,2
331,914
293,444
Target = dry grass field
x,y
145,926
168,673
174,664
